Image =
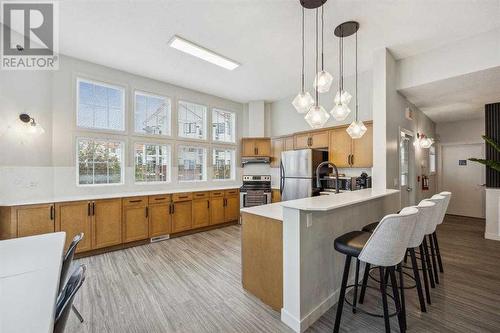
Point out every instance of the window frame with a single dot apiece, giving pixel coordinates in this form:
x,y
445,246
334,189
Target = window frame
x,y
123,88
123,163
169,165
205,125
434,156
233,169
180,145
144,92
235,122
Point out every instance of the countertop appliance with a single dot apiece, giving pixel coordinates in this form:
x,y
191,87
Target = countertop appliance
x,y
298,173
255,191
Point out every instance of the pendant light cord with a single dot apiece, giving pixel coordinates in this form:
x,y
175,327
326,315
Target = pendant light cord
x,y
340,67
317,94
303,52
322,39
356,90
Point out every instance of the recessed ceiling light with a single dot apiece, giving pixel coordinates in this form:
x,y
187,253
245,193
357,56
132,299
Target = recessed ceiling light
x,y
200,52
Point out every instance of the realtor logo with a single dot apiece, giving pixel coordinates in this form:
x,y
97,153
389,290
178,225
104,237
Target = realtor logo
x,y
29,36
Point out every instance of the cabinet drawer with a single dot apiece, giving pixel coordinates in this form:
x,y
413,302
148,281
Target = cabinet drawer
x,y
201,195
182,196
135,201
217,194
231,192
157,199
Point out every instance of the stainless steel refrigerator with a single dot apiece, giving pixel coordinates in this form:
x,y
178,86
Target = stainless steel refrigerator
x,y
298,173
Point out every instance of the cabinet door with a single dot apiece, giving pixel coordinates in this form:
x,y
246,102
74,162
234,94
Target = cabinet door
x,y
362,150
275,196
277,148
340,147
288,143
217,210
248,147
201,213
263,147
159,220
232,209
74,218
319,140
107,216
302,141
182,216
135,223
35,220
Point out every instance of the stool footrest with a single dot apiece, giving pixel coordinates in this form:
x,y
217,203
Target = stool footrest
x,y
372,314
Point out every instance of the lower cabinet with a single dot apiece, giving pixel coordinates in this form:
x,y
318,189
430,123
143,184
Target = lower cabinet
x,y
135,219
35,219
275,195
201,212
217,209
182,213
107,223
160,222
232,209
75,218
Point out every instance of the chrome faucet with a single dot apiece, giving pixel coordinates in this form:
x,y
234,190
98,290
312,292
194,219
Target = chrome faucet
x,y
318,181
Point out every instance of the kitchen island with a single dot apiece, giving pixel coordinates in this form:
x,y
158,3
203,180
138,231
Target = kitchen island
x,y
288,259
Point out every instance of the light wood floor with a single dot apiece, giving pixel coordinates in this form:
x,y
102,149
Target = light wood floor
x,y
192,284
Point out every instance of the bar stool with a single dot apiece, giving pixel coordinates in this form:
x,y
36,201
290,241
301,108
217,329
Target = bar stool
x,y
385,248
447,196
440,202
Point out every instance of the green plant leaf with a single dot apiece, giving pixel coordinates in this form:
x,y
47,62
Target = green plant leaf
x,y
492,164
491,142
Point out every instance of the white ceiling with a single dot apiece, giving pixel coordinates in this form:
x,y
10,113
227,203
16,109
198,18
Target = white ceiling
x,y
458,98
262,35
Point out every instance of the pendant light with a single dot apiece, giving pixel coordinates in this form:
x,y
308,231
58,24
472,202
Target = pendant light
x,y
357,129
317,115
342,99
303,101
323,80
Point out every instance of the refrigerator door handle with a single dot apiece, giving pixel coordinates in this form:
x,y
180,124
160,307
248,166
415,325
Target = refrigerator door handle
x,y
282,174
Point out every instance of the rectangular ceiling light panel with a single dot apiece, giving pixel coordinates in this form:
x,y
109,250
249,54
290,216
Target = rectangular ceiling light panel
x,y
200,52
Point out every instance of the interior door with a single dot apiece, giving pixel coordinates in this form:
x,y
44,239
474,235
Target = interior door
x,y
406,169
464,179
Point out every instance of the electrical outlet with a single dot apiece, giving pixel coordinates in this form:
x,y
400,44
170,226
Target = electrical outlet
x,y
309,220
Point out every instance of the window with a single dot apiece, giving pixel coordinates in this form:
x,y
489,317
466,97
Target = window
x,y
432,159
192,163
223,164
152,114
100,161
223,126
152,163
404,159
100,106
192,120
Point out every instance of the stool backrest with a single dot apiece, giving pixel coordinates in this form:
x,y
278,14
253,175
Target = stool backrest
x,y
68,259
439,200
426,210
388,242
65,300
447,198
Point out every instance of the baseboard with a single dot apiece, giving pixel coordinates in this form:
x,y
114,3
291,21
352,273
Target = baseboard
x,y
491,236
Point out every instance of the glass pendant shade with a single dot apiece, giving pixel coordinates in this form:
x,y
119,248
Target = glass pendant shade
x,y
34,128
356,130
317,116
340,112
342,97
426,143
323,81
303,102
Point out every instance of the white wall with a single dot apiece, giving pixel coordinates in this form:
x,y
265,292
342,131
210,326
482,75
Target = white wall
x,y
50,97
464,131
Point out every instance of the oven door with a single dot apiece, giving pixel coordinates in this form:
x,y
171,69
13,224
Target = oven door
x,y
254,198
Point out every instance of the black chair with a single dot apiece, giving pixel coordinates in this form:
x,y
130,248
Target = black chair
x,y
65,299
66,265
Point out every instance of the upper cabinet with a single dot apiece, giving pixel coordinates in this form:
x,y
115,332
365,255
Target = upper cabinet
x,y
346,152
288,143
311,140
256,147
277,146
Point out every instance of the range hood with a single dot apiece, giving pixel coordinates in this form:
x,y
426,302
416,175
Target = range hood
x,y
248,160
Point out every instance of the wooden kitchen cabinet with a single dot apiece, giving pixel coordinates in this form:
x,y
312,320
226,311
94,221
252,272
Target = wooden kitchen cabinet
x,y
182,214
362,149
275,195
160,222
346,152
232,206
135,219
75,218
201,209
256,147
311,140
288,143
35,219
217,210
107,223
277,146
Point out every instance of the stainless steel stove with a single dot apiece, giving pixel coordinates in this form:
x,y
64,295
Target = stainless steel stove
x,y
256,191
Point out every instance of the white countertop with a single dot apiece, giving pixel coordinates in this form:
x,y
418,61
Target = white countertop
x,y
29,282
333,201
82,197
272,211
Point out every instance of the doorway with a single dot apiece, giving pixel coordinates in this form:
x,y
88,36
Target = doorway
x,y
406,168
464,179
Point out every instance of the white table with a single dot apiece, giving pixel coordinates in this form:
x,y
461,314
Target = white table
x,y
29,282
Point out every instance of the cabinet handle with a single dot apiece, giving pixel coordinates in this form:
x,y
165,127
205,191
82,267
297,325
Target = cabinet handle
x,y
183,197
173,208
170,209
208,203
88,209
93,209
134,201
147,211
52,212
352,159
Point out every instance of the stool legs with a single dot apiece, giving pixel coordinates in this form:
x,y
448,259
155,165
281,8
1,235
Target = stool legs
x,y
424,274
402,291
418,284
343,287
438,254
397,301
428,261
355,294
365,281
433,258
384,300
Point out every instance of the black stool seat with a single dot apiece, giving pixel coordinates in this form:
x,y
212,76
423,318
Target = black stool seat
x,y
351,243
370,227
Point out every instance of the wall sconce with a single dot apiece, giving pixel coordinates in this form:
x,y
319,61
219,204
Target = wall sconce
x,y
32,125
423,141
